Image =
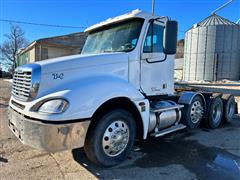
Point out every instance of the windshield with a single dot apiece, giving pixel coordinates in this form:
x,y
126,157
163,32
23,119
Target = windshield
x,y
121,37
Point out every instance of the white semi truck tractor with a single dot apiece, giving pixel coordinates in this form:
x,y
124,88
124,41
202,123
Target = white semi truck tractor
x,y
119,89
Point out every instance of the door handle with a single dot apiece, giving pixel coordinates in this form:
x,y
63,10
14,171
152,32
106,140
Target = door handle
x,y
162,60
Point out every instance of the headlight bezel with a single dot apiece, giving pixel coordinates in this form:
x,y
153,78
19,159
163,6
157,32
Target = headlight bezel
x,y
37,107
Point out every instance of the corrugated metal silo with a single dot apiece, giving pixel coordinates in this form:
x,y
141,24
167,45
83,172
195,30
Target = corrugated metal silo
x,y
212,50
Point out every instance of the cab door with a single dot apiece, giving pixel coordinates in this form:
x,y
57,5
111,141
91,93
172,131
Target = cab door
x,y
156,76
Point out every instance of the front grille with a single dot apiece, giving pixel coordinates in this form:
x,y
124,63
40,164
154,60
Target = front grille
x,y
26,82
21,84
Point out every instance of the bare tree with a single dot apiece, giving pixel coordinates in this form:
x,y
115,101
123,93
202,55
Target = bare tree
x,y
9,48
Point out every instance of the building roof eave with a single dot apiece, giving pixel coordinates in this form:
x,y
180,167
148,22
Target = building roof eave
x,y
30,46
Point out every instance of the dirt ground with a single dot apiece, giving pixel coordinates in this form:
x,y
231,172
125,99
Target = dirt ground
x,y
188,154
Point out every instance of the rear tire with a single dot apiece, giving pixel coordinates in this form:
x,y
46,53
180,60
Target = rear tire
x,y
110,138
228,107
215,113
193,113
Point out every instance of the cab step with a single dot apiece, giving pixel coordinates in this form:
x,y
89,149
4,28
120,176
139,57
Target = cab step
x,y
169,130
167,108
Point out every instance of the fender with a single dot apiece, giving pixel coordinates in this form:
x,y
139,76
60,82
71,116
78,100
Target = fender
x,y
90,93
187,97
145,115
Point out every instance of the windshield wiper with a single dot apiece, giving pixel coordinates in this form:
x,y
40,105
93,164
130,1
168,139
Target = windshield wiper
x,y
107,51
127,50
124,50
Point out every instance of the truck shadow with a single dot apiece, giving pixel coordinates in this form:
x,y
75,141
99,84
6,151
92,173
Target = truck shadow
x,y
202,161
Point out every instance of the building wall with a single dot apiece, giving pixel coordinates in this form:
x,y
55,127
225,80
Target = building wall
x,y
40,52
52,47
23,59
31,55
180,49
26,57
59,52
178,68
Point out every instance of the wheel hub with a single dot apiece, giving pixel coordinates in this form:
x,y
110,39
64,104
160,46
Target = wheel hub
x,y
196,112
115,138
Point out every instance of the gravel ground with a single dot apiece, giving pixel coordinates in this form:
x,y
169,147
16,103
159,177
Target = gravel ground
x,y
188,154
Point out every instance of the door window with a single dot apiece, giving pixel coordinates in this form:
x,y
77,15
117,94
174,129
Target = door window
x,y
154,39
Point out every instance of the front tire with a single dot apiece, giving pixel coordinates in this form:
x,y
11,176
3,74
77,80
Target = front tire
x,y
110,138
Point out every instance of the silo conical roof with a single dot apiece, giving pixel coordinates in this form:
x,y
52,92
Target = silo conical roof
x,y
214,20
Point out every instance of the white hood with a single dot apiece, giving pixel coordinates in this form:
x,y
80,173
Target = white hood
x,y
81,61
58,72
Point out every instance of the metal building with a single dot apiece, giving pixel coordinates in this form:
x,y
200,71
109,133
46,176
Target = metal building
x,y
212,50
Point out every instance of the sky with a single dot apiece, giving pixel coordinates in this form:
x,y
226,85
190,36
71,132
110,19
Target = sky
x,y
83,13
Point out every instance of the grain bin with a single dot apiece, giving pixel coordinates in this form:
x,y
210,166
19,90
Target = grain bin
x,y
212,50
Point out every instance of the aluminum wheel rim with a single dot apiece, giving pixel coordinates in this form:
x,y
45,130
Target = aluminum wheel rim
x,y
231,110
196,112
115,138
216,115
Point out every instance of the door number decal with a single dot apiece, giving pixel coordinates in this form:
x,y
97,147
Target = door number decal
x,y
57,75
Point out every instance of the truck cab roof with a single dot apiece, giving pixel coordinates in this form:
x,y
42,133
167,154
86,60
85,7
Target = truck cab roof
x,y
133,14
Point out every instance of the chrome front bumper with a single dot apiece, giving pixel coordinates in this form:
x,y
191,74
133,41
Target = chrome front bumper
x,y
47,136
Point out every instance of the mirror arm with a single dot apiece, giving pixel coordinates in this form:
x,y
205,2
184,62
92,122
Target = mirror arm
x,y
156,19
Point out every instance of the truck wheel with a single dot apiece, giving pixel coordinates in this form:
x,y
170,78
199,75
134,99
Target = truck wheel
x,y
193,113
111,138
228,107
215,113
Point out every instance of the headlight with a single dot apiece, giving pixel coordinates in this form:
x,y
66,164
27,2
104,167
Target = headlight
x,y
55,106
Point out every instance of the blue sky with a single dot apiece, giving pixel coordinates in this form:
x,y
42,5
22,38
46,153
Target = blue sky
x,y
89,12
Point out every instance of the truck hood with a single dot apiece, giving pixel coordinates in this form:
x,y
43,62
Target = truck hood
x,y
61,73
81,61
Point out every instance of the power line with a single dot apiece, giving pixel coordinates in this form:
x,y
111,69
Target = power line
x,y
40,24
84,27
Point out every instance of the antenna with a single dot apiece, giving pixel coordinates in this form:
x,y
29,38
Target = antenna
x,y
221,7
153,6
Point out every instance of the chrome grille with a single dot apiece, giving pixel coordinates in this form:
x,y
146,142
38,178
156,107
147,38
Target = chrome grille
x,y
26,82
21,86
